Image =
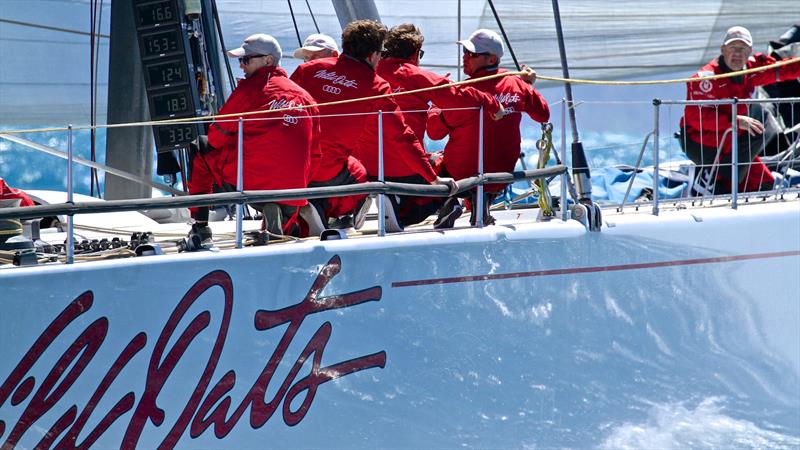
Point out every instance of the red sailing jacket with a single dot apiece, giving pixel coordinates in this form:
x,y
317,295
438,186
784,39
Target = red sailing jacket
x,y
501,138
278,152
707,124
404,75
12,197
343,78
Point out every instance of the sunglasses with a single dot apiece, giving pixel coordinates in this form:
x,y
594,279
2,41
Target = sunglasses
x,y
475,55
421,53
246,59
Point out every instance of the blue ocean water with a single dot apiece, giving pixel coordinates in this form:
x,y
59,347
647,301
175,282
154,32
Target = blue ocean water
x,y
26,168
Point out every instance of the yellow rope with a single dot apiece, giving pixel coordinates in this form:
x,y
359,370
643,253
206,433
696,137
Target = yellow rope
x,y
397,94
544,146
679,80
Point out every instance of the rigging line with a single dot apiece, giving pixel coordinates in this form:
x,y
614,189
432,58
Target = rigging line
x,y
47,27
218,24
313,19
458,50
296,30
516,64
92,21
574,68
397,94
96,69
505,36
85,162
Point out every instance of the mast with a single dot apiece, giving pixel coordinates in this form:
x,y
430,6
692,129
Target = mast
x,y
174,43
580,169
127,148
350,10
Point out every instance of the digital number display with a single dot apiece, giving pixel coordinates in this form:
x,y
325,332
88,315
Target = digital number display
x,y
171,104
171,136
165,73
161,43
156,13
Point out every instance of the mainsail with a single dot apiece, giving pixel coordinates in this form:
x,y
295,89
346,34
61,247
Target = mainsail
x,y
44,44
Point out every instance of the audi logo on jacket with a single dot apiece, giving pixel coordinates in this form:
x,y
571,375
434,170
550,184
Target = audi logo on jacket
x,y
342,78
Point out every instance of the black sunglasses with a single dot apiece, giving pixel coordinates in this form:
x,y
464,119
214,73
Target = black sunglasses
x,y
246,59
421,53
475,55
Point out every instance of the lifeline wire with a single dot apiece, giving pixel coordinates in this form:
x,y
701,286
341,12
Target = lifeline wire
x,y
397,94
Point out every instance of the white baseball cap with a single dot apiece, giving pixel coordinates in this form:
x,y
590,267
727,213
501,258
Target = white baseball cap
x,y
315,43
484,41
258,44
738,34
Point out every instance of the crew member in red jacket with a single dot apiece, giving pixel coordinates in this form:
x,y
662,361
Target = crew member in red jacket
x,y
279,149
501,139
703,126
317,46
400,68
352,126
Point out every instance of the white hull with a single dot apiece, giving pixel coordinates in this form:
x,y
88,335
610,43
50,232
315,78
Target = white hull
x,y
534,335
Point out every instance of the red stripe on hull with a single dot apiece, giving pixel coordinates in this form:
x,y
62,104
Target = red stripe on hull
x,y
543,273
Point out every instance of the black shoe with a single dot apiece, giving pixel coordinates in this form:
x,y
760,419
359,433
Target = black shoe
x,y
448,220
488,198
448,213
202,230
199,238
341,223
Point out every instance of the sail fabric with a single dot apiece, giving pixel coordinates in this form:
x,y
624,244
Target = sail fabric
x,y
624,39
44,77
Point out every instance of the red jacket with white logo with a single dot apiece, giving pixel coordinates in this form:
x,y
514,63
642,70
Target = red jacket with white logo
x,y
344,78
706,124
501,138
403,75
278,151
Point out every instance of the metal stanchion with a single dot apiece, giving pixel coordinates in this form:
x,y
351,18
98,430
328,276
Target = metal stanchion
x,y
565,176
734,154
479,203
381,197
70,221
240,183
656,129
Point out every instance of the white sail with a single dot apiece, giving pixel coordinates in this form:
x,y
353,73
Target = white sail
x,y
44,78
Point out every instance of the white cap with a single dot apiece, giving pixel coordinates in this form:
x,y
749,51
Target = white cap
x,y
484,41
315,43
738,34
258,44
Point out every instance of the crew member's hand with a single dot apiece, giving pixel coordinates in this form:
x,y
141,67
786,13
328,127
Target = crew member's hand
x,y
529,76
752,126
499,114
449,182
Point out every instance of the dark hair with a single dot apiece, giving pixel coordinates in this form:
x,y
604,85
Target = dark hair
x,y
403,41
362,37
